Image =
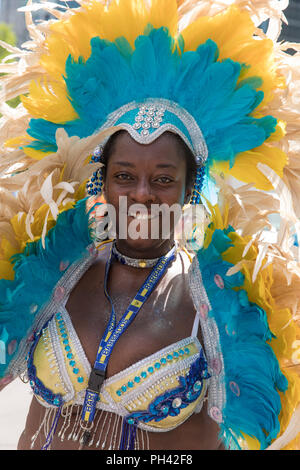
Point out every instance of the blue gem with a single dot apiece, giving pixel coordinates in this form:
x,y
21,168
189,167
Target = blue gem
x,y
143,374
175,354
70,356
67,348
163,360
56,401
72,363
169,357
130,421
181,352
64,335
197,386
165,410
187,350
65,341
119,392
130,384
151,370
157,365
80,379
137,379
124,388
75,370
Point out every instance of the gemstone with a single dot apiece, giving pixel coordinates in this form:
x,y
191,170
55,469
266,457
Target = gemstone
x,y
75,370
64,335
67,348
157,365
130,384
145,132
56,401
137,379
80,379
169,357
59,293
216,414
119,392
151,370
72,363
186,350
124,388
130,421
144,374
175,354
163,360
176,403
219,281
165,410
181,352
65,341
33,308
189,395
216,365
197,386
12,346
70,356
234,388
203,310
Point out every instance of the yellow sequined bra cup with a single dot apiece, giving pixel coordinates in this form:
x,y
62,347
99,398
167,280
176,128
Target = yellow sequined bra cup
x,y
160,391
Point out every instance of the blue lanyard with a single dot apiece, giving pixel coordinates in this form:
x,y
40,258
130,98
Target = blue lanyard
x,y
113,332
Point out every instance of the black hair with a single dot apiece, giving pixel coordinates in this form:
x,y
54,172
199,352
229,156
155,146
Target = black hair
x,y
191,166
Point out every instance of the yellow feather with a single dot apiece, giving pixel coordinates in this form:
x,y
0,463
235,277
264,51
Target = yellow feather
x,y
245,167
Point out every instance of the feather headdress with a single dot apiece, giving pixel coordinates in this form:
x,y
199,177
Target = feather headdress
x,y
238,86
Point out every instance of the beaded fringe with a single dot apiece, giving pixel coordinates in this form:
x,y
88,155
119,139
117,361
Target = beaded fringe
x,y
106,431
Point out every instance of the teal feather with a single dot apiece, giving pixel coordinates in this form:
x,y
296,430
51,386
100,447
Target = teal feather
x,y
68,241
253,404
208,88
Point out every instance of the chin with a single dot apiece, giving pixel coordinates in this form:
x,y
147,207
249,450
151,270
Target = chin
x,y
140,247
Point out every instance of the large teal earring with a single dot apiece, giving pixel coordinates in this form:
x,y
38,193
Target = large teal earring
x,y
195,198
95,184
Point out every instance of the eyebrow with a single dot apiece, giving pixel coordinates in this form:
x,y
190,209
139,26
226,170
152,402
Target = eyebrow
x,y
159,165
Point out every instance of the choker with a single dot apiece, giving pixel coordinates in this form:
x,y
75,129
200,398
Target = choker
x,y
135,263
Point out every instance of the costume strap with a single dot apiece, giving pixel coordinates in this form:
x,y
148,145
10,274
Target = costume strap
x,y
111,335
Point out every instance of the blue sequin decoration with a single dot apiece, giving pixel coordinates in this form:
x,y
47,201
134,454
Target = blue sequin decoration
x,y
37,385
162,406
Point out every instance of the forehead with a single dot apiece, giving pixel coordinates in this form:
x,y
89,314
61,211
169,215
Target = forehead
x,y
165,149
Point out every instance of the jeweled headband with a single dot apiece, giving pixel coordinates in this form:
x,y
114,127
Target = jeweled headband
x,y
147,120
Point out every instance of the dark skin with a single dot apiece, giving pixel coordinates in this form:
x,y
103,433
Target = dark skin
x,y
146,174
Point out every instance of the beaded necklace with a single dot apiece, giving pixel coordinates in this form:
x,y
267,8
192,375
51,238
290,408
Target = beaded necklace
x,y
136,263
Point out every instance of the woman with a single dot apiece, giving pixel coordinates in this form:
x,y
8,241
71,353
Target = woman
x,y
153,174
139,344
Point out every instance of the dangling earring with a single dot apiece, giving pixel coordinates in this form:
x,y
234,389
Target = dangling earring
x,y
195,198
94,185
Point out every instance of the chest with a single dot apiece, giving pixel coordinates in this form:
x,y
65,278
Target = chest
x,y
166,316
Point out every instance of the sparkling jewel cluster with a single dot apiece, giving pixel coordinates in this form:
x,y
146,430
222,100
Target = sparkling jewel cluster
x,y
148,117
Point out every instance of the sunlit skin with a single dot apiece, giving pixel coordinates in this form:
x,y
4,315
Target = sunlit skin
x,y
145,174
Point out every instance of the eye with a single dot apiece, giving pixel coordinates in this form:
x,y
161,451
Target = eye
x,y
164,179
123,177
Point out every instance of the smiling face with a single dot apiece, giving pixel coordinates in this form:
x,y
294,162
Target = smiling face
x,y
146,175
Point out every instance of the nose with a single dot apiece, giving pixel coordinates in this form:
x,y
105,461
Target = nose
x,y
142,193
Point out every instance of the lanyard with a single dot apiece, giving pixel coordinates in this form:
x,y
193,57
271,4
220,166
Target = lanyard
x,y
113,332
